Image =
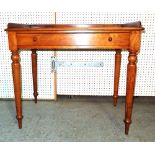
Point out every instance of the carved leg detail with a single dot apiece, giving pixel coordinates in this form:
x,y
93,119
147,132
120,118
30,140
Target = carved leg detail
x,y
34,74
16,72
117,75
131,77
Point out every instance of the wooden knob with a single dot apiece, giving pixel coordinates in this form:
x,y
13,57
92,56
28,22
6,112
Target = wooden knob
x,y
110,39
34,38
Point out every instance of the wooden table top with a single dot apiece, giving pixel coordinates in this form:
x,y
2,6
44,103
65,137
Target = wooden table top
x,y
136,26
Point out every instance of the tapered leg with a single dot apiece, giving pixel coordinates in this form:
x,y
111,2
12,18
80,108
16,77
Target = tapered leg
x,y
34,74
117,75
16,72
131,76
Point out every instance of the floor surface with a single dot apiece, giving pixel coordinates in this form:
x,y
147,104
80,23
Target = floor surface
x,y
78,119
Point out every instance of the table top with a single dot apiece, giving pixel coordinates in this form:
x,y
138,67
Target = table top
x,y
135,26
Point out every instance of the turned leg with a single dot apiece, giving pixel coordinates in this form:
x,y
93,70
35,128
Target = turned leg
x,y
16,72
34,74
131,76
116,75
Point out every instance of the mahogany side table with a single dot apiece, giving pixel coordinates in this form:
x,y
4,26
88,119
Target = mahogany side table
x,y
96,36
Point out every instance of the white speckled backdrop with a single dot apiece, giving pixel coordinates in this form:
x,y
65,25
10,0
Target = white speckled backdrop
x,y
44,58
99,81
78,81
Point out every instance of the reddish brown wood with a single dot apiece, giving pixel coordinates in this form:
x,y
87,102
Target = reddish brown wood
x,y
16,72
117,75
71,27
131,77
101,36
87,40
34,74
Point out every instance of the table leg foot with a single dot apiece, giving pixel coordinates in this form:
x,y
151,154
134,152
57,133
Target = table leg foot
x,y
35,97
19,119
127,125
115,99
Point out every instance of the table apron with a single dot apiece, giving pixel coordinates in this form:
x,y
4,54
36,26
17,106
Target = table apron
x,y
78,41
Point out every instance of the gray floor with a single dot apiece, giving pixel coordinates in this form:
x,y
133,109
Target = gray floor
x,y
78,119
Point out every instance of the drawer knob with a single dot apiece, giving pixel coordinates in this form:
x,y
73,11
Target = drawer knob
x,y
110,39
34,39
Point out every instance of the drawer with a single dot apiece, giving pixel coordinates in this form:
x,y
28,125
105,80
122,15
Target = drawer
x,y
86,40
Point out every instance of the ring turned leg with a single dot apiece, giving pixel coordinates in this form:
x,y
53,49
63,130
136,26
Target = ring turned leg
x,y
117,75
131,76
16,72
34,74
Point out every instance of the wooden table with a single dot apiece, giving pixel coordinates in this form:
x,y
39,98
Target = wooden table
x,y
97,36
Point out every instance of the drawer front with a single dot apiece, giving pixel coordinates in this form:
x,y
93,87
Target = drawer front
x,y
88,40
